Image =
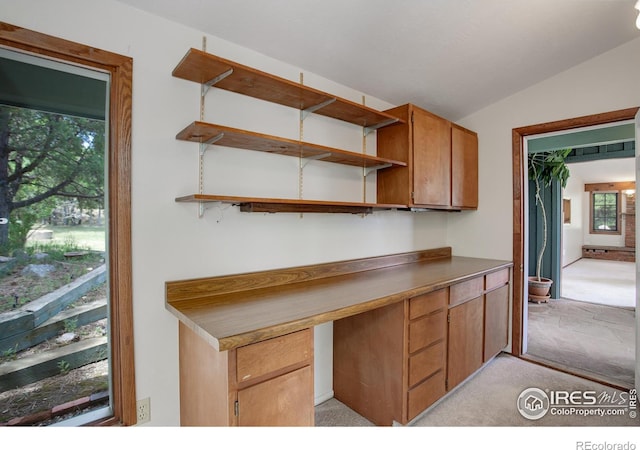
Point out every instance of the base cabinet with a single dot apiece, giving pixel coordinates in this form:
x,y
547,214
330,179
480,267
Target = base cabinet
x,y
478,323
392,363
389,363
269,383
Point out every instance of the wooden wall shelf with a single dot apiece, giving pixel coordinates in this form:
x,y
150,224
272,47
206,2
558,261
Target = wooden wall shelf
x,y
274,205
211,70
207,133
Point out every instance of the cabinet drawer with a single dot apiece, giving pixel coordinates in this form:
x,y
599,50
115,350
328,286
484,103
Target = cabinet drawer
x,y
496,279
425,394
262,358
426,363
427,330
467,290
427,303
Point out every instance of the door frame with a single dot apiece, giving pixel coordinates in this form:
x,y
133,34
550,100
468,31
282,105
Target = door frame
x,y
519,179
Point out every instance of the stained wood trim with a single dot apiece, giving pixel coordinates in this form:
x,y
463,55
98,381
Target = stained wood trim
x,y
207,287
604,187
121,69
618,212
519,178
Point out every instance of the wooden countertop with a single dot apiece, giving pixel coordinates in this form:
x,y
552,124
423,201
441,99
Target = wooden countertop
x,y
244,312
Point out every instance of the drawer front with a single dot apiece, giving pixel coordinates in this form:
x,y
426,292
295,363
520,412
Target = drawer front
x,y
424,364
425,394
427,330
428,303
262,358
467,290
496,279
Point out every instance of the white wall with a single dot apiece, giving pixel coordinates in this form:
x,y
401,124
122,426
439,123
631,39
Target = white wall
x,y
572,233
605,83
169,240
608,82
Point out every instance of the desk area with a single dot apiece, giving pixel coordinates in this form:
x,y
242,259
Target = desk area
x,y
246,340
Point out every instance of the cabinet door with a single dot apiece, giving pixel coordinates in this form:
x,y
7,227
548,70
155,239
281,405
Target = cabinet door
x,y
465,349
464,168
286,400
496,321
431,159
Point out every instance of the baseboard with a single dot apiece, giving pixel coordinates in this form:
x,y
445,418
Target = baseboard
x,y
323,398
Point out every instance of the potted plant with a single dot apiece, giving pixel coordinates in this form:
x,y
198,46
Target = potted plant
x,y
544,168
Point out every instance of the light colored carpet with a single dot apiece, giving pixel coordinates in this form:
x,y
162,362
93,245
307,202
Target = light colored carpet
x,y
489,399
597,281
594,340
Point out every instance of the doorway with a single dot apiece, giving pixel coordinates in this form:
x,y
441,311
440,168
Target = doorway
x,y
520,234
589,326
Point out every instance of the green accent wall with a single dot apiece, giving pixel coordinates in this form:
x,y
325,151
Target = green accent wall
x,y
551,260
586,138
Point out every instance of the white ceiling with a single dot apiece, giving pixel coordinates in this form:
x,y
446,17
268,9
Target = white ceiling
x,y
452,57
604,170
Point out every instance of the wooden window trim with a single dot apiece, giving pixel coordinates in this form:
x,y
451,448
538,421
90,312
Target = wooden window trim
x,y
618,231
566,211
119,159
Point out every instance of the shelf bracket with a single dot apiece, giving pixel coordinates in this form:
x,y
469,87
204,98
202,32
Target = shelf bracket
x,y
368,130
305,112
206,86
368,170
205,145
315,158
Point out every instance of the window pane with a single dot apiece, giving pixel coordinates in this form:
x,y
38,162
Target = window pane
x,y
605,211
53,197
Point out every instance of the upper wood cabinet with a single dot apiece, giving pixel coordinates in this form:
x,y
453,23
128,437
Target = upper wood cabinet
x,y
442,170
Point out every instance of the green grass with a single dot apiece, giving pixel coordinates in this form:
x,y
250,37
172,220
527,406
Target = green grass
x,y
85,237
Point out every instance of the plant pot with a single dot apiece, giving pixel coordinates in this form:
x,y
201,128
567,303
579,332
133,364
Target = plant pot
x,y
541,287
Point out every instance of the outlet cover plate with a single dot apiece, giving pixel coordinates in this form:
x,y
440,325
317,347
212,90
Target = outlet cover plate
x,y
143,407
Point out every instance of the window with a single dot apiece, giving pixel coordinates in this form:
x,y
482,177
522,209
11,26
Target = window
x,y
605,210
566,210
119,70
605,206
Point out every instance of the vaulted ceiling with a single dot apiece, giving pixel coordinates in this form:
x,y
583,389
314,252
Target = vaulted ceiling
x,y
452,57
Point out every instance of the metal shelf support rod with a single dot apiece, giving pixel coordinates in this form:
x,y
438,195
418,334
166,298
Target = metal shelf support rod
x,y
305,112
371,128
206,86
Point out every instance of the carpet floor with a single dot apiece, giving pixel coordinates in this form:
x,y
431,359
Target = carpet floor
x,y
598,281
489,398
593,340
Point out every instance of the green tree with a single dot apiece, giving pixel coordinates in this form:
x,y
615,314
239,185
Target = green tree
x,y
44,156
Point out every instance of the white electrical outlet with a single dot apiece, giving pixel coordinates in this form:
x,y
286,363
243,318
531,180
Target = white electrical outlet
x,y
144,410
